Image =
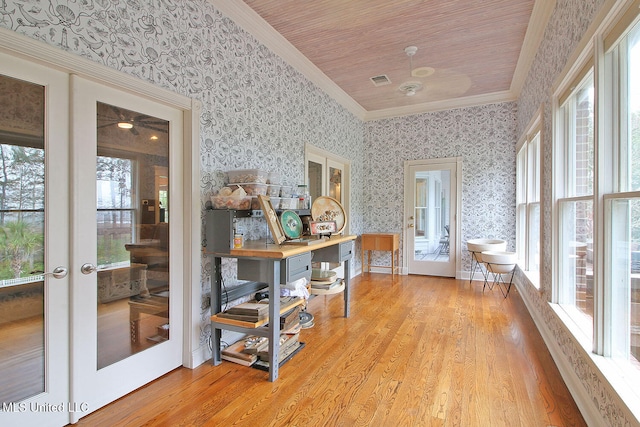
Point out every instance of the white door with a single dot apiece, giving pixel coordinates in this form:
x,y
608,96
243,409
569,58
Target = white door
x,y
34,230
430,213
126,324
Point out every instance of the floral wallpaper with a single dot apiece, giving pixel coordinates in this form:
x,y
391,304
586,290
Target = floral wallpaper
x,y
483,136
258,112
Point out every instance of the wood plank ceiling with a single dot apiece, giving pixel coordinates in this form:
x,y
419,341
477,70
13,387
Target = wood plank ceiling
x,y
470,48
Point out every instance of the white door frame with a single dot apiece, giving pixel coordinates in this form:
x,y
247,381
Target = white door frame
x,y
457,161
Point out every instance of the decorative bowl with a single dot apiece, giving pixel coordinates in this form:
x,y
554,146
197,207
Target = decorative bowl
x,y
482,245
499,261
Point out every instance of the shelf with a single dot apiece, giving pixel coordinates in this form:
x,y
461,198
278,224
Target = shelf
x,y
336,290
252,325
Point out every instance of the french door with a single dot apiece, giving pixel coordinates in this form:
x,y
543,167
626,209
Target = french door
x,y
430,217
90,207
126,323
34,242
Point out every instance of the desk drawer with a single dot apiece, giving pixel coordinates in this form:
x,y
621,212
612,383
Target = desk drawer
x,y
337,253
296,267
292,268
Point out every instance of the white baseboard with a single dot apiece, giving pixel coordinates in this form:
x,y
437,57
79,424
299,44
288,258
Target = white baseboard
x,y
198,357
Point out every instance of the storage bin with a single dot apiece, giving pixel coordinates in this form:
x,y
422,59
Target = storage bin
x,y
246,175
273,190
231,202
288,203
255,203
286,191
251,188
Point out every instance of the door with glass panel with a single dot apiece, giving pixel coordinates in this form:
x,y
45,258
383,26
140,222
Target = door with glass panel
x,y
126,323
34,245
430,237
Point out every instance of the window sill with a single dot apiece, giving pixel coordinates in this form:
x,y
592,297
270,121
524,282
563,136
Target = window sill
x,y
533,277
621,380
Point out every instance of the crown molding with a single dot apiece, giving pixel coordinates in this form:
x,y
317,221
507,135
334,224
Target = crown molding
x,y
540,15
449,104
247,19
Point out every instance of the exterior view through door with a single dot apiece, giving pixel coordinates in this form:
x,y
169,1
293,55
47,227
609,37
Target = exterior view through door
x,y
430,212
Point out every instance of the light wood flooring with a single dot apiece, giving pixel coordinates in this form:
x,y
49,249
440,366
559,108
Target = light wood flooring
x,y
416,351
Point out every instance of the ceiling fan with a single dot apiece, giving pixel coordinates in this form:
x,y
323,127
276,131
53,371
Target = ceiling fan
x,y
129,120
411,87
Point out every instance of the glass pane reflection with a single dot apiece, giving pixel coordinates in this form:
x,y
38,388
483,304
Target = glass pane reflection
x,y
22,189
431,213
133,232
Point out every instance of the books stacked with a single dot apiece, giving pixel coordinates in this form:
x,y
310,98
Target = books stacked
x,y
288,344
251,311
324,280
290,321
237,353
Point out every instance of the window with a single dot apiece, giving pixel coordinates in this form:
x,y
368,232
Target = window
x,y
528,200
574,179
116,213
597,192
621,338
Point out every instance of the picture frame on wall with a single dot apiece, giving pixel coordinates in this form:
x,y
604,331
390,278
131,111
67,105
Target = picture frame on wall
x,y
271,217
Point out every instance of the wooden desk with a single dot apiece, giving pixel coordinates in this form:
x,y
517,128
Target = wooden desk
x,y
155,305
270,264
380,242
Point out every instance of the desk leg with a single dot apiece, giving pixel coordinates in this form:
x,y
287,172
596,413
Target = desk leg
x,y
393,264
347,279
216,307
274,321
134,324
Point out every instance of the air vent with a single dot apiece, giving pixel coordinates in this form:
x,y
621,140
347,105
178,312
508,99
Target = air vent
x,y
380,80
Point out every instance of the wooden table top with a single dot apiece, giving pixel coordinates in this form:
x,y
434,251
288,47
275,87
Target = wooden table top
x,y
263,249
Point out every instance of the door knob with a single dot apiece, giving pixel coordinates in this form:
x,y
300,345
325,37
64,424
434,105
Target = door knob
x,y
58,272
410,225
88,268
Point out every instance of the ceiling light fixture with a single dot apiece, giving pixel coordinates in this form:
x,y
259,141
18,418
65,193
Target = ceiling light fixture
x,y
125,125
411,87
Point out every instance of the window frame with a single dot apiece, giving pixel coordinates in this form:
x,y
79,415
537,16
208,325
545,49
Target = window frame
x,y
528,198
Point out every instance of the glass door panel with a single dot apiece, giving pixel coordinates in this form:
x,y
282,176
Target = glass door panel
x,y
335,183
132,232
432,193
126,324
316,173
22,190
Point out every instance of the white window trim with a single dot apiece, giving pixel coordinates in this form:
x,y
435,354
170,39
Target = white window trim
x,y
533,128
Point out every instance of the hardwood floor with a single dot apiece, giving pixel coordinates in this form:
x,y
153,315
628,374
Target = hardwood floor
x,y
416,351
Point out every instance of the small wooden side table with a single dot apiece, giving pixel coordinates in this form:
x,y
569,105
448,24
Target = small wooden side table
x,y
380,242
